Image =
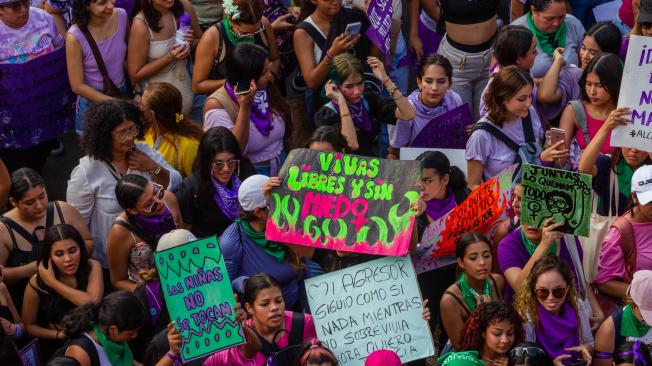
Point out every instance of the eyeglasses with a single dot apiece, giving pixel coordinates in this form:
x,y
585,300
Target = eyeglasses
x,y
250,35
529,351
123,135
219,164
543,293
157,196
15,6
645,25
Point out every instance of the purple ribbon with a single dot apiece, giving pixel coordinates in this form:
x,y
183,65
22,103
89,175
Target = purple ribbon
x,y
261,114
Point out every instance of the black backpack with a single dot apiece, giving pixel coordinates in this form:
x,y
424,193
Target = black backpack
x,y
288,355
84,343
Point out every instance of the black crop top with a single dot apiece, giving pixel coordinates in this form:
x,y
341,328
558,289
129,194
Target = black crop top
x,y
468,11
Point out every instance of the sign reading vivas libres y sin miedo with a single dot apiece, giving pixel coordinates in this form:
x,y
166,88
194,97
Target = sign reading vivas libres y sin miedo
x,y
344,202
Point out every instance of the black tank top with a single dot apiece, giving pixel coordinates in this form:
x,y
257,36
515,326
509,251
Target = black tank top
x,y
219,68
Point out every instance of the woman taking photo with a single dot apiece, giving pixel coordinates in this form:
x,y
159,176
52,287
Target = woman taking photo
x,y
358,108
153,52
244,23
149,213
491,331
67,278
548,301
21,231
111,152
476,285
169,131
208,198
553,28
432,98
107,27
257,117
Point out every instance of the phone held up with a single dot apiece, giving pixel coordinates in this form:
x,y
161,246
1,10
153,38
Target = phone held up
x,y
243,87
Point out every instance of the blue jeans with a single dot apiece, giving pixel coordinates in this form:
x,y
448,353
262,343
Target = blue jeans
x,y
82,106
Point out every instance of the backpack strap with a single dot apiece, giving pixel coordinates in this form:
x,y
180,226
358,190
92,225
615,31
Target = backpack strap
x,y
580,116
627,244
296,333
315,34
500,135
528,131
617,317
85,343
227,103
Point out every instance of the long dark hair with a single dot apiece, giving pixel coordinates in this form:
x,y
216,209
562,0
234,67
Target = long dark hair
x,y
512,43
609,68
121,308
101,119
440,163
216,140
152,15
331,135
166,102
80,13
607,36
256,283
58,233
247,62
22,180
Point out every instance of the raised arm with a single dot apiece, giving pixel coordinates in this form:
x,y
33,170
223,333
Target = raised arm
x,y
592,150
94,290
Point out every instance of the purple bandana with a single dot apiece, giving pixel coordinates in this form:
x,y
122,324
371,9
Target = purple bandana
x,y
227,199
156,226
423,110
359,114
437,208
261,114
555,333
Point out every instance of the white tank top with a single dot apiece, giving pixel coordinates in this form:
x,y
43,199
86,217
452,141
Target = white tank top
x,y
315,50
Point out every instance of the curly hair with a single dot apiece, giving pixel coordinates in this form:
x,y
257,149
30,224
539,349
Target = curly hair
x,y
483,317
80,13
503,87
526,300
101,119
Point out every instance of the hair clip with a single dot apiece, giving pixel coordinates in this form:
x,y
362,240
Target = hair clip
x,y
178,117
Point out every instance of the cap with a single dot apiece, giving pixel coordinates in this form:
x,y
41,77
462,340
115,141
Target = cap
x,y
250,193
640,291
642,183
174,238
645,12
383,357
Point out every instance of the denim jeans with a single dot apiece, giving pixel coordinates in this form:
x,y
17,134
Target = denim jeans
x,y
470,73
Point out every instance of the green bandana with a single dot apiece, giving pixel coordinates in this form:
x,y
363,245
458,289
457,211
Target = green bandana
x,y
270,247
531,247
630,326
118,352
548,42
467,358
232,36
625,173
470,294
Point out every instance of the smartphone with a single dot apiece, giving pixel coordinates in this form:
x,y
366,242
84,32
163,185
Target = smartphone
x,y
352,28
556,135
243,87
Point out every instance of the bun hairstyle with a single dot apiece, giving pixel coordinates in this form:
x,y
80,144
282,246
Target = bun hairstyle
x,y
315,352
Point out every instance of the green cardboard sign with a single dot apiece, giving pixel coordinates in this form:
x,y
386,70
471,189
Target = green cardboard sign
x,y
561,194
199,297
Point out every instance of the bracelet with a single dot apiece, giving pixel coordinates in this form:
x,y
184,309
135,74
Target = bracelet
x,y
386,80
329,55
173,358
345,115
156,170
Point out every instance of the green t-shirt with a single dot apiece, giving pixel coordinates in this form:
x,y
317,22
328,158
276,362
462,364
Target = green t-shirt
x,y
467,358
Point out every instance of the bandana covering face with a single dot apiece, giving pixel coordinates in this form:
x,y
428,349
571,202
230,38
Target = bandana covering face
x,y
260,115
156,226
630,326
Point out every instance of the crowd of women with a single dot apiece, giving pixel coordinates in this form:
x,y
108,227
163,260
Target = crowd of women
x,y
186,110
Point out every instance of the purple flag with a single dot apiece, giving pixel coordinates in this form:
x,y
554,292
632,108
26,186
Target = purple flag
x,y
37,102
447,130
380,17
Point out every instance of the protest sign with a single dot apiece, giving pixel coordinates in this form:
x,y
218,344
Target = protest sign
x,y
371,306
447,130
636,94
482,211
455,156
36,102
380,28
199,297
561,194
344,202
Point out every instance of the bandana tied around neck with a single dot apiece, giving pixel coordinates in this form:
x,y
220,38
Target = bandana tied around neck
x,y
261,114
118,352
470,294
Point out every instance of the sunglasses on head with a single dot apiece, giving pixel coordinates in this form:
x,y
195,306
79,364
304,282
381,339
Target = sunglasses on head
x,y
157,197
543,293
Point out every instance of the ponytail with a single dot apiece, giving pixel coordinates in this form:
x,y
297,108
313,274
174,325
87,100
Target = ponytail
x,y
76,322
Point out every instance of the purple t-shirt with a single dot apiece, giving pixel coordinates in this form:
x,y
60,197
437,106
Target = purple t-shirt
x,y
491,152
36,38
512,254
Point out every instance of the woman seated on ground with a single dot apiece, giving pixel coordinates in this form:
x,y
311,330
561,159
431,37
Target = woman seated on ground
x,y
208,198
168,130
491,331
548,301
476,285
149,212
21,231
258,117
358,107
631,323
67,278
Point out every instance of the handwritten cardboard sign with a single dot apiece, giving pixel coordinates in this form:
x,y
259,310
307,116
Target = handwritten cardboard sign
x,y
483,210
36,101
199,297
380,19
636,94
344,202
371,306
447,130
561,194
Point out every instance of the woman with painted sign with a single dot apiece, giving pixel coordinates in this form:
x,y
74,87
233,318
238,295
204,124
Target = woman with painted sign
x,y
208,198
149,213
476,285
358,107
548,301
67,278
432,98
631,323
491,331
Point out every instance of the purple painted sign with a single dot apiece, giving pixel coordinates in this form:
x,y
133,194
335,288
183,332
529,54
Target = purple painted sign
x,y
446,131
37,102
380,17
